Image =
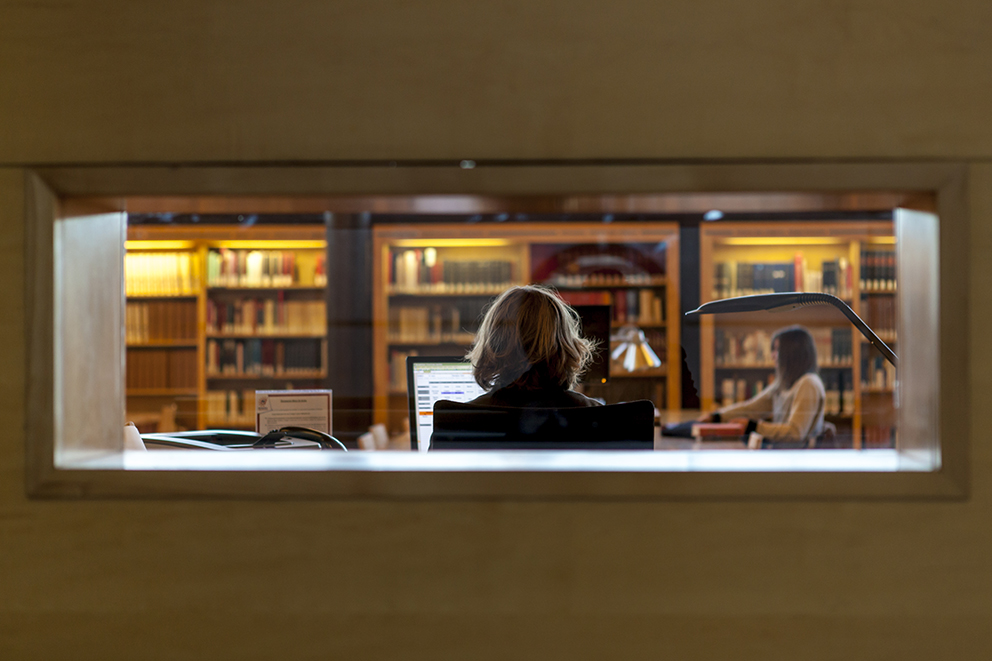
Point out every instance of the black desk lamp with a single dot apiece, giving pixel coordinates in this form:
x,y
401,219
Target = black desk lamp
x,y
793,301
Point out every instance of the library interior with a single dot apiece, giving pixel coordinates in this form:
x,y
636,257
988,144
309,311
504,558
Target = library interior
x,y
226,298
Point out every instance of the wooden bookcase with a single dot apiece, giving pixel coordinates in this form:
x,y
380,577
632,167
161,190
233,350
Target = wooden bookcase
x,y
162,285
431,284
852,260
214,313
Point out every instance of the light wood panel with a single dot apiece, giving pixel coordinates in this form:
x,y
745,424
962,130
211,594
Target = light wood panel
x,y
674,202
89,342
513,80
13,301
918,243
39,206
114,184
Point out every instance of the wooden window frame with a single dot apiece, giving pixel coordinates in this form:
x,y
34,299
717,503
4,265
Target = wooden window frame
x,y
47,375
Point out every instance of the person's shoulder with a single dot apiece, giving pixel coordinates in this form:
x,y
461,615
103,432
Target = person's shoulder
x,y
578,399
810,380
485,399
544,398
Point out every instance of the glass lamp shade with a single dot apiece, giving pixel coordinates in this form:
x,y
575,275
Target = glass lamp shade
x,y
633,352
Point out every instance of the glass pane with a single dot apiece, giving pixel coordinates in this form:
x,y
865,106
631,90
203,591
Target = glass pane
x,y
223,307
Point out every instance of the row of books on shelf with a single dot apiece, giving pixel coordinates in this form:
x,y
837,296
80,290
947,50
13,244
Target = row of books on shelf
x,y
878,436
741,348
838,389
627,306
878,270
267,316
397,369
455,321
599,264
606,280
230,408
422,270
733,278
263,268
423,324
264,358
159,274
159,321
458,321
735,391
161,368
877,374
879,312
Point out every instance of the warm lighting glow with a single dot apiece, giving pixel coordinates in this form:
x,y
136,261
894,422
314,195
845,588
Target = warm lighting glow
x,y
158,245
287,244
450,243
782,241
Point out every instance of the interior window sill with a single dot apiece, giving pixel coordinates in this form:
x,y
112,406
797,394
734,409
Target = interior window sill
x,y
675,461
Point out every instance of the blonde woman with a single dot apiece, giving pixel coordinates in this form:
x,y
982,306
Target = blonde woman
x,y
529,351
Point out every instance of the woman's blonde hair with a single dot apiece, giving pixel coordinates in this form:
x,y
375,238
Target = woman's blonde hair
x,y
531,338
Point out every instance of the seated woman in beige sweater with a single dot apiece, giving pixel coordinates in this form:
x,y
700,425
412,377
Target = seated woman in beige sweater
x,y
789,412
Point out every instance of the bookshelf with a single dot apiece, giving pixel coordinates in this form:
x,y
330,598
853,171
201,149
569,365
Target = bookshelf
x,y
877,306
432,283
214,313
852,260
638,279
161,375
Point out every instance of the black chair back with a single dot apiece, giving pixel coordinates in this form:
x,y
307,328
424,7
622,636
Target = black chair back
x,y
458,426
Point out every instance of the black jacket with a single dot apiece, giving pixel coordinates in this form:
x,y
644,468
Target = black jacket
x,y
556,398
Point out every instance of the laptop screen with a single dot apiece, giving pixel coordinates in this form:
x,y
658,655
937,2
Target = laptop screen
x,y
430,378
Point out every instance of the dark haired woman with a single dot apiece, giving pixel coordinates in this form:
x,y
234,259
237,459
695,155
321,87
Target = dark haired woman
x,y
789,412
529,351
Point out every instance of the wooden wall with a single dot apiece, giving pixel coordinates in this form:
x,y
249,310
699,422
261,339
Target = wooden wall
x,y
207,80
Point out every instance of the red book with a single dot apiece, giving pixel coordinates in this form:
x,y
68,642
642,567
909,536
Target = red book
x,y
732,429
620,307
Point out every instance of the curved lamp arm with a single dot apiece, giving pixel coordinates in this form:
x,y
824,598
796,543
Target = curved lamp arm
x,y
793,301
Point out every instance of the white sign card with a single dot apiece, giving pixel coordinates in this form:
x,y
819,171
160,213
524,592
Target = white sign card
x,y
275,409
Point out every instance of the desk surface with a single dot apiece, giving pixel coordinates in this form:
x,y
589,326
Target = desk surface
x,y
662,442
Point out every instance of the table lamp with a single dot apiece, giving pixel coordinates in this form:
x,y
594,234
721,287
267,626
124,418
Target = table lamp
x,y
633,351
783,302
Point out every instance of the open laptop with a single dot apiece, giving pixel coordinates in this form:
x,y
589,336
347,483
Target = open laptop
x,y
428,379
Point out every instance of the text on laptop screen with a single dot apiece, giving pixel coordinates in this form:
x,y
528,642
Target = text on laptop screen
x,y
431,381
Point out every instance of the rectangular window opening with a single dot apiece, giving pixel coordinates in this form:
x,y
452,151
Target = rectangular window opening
x,y
221,305
176,319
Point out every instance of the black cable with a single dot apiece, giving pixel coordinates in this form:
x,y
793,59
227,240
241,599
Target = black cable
x,y
325,441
